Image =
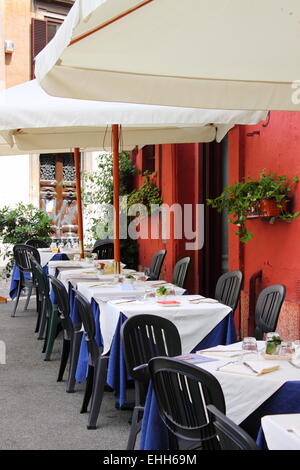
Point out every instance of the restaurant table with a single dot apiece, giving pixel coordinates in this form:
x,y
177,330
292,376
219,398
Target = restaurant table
x,y
282,432
15,276
46,254
199,325
99,293
248,398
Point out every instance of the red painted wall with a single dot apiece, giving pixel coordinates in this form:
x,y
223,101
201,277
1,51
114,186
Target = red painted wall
x,y
176,177
274,248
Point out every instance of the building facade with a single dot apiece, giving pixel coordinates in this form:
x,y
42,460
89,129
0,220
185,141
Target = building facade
x,y
191,173
47,181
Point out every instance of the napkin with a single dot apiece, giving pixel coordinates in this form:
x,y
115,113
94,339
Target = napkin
x,y
195,359
204,301
156,283
124,301
221,351
168,303
254,368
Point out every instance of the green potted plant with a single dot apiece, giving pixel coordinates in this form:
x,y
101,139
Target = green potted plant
x,y
19,224
266,197
148,195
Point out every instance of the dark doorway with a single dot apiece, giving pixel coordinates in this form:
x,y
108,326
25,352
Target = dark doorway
x,y
213,173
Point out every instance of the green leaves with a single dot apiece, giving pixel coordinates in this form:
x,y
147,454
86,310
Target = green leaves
x,y
148,195
243,197
18,225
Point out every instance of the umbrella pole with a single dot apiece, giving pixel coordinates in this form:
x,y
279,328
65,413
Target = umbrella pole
x,y
79,203
116,184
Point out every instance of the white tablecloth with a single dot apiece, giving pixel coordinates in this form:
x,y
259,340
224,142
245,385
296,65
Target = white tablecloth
x,y
103,291
243,393
193,321
53,265
276,432
46,254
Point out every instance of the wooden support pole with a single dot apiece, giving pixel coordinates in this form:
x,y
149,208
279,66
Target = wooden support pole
x,y
116,184
79,203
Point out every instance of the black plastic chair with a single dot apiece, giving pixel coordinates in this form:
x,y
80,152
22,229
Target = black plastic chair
x,y
62,301
228,288
23,262
49,317
144,337
97,365
104,249
231,436
182,392
267,309
156,264
180,271
36,243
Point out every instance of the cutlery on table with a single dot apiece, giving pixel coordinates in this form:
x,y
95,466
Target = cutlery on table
x,y
250,367
227,364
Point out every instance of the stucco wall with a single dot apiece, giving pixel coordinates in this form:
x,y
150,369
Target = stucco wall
x,y
274,249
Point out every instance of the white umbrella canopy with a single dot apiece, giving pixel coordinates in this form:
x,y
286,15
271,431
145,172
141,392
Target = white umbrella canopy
x,y
221,54
31,120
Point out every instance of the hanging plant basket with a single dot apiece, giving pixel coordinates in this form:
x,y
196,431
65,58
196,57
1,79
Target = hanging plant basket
x,y
266,198
267,208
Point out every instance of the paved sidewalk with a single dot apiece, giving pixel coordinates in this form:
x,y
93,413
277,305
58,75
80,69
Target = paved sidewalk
x,y
35,411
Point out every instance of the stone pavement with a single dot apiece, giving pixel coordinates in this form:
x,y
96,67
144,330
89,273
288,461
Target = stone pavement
x,y
35,410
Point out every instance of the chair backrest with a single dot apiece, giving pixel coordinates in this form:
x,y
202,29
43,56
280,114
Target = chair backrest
x,y
267,309
104,249
22,257
36,243
228,288
231,436
146,336
40,277
87,318
182,392
61,296
156,264
180,271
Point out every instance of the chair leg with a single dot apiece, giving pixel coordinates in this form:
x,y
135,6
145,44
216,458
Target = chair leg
x,y
28,298
98,391
43,320
17,299
64,359
38,309
53,323
75,349
46,336
88,390
135,427
39,313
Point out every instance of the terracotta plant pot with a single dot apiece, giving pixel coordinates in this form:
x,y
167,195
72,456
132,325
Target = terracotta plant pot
x,y
267,208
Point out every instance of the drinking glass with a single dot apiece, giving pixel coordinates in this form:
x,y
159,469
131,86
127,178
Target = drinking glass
x,y
296,344
149,294
171,291
273,342
286,348
249,347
